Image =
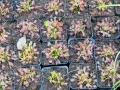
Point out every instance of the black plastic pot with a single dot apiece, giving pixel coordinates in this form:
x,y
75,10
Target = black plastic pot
x,y
115,35
47,70
52,13
91,10
80,40
38,87
99,44
11,16
43,37
62,62
102,87
73,71
86,20
74,13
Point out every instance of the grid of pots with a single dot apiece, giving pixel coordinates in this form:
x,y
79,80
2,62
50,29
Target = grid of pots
x,y
70,50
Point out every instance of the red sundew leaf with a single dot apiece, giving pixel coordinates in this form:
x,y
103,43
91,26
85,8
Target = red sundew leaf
x,y
10,63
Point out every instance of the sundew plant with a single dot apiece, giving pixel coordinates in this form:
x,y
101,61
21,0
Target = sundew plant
x,y
55,51
78,5
84,50
29,27
54,29
57,79
54,5
28,53
105,28
3,34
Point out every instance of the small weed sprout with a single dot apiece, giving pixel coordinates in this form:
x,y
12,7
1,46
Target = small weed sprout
x,y
5,9
108,72
84,50
53,29
27,54
106,28
7,56
57,79
5,81
26,76
107,52
84,78
3,34
77,27
54,5
29,27
78,5
55,51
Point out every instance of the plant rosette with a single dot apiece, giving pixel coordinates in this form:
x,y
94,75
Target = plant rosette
x,y
54,53
28,78
76,7
3,34
27,9
81,50
79,27
83,76
106,27
6,9
29,28
105,50
7,57
53,29
95,11
107,75
6,80
52,8
55,78
27,53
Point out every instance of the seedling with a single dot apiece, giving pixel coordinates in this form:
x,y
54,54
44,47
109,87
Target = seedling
x,y
27,54
84,50
105,27
6,56
107,52
55,51
109,73
5,81
26,76
28,27
116,63
5,9
102,5
54,5
3,34
27,5
53,29
84,78
78,5
77,27
57,79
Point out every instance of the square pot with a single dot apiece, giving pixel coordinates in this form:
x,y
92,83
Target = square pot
x,y
75,46
52,13
87,72
106,27
46,71
79,27
94,11
35,81
51,61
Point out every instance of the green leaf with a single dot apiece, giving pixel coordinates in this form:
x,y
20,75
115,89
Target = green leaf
x,y
46,23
